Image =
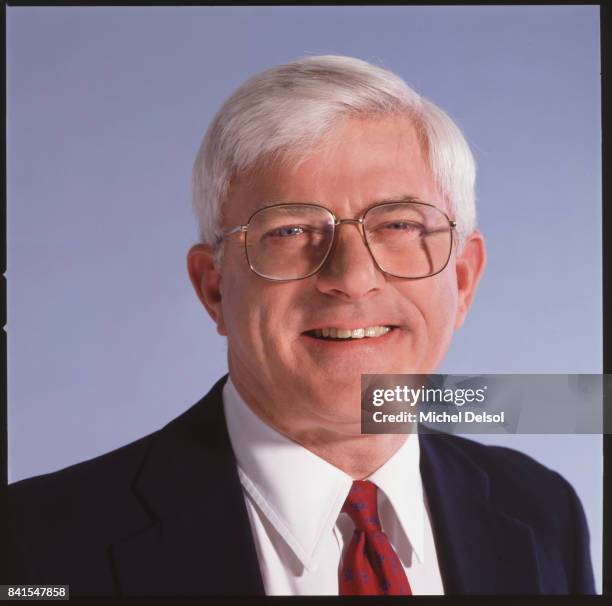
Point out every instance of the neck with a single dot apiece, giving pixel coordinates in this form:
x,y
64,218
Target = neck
x,y
356,454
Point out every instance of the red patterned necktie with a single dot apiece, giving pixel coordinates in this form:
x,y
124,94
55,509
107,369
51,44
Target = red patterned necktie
x,y
370,565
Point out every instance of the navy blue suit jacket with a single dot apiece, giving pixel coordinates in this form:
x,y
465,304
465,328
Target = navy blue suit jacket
x,y
165,515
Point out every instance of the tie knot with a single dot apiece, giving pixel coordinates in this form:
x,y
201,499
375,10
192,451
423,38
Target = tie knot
x,y
361,505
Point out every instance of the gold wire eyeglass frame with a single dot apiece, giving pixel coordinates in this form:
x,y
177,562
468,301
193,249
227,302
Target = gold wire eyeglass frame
x,y
243,229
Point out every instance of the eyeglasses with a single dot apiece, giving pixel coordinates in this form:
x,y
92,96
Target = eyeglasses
x,y
292,241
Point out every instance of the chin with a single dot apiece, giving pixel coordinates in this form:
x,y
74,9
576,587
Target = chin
x,y
340,401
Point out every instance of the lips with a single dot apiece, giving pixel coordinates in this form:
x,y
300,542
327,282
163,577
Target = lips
x,y
361,332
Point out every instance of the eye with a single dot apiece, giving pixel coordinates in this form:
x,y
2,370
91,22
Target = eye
x,y
401,227
286,231
404,226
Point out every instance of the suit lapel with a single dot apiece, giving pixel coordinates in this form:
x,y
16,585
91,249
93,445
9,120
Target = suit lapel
x,y
200,540
480,550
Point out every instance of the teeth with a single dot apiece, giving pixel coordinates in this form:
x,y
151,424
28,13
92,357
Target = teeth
x,y
355,333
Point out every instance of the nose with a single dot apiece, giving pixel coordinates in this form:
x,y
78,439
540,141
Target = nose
x,y
349,272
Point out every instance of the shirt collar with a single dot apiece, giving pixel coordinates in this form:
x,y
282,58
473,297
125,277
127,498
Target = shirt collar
x,y
302,494
400,480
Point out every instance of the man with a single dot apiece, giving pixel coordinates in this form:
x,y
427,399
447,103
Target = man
x,y
338,238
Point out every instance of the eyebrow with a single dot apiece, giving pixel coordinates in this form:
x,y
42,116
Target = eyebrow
x,y
398,200
392,200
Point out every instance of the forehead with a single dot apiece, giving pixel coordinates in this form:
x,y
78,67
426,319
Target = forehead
x,y
359,163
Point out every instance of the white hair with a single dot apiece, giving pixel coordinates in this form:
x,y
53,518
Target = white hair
x,y
289,108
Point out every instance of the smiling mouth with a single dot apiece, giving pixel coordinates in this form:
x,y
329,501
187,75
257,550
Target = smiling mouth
x,y
342,334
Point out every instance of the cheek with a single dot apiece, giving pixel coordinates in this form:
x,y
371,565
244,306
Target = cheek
x,y
436,299
445,311
449,298
446,289
257,315
237,291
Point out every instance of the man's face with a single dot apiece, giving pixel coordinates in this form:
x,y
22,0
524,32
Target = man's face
x,y
293,378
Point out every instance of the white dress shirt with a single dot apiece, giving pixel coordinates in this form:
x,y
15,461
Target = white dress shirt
x,y
294,498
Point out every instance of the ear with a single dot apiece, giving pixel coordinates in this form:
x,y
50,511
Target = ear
x,y
470,264
206,279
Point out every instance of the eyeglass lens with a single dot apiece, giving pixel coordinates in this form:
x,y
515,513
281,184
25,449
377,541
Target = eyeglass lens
x,y
406,239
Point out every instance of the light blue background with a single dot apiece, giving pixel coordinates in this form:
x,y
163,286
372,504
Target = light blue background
x,y
106,110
